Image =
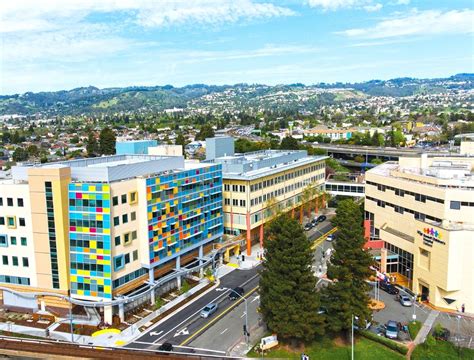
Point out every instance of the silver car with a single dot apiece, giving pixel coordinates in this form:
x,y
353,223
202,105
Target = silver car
x,y
208,310
405,300
391,331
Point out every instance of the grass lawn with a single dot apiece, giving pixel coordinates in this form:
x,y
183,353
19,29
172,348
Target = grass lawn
x,y
365,349
19,335
441,350
413,328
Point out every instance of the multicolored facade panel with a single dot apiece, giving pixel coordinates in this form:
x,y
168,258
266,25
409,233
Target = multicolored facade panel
x,y
184,209
90,240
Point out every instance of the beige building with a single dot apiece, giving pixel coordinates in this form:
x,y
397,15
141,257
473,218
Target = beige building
x,y
256,184
421,210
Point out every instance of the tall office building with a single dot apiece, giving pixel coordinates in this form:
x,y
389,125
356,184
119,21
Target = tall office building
x,y
420,215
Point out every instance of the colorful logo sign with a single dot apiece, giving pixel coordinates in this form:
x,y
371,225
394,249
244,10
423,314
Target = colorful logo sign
x,y
431,235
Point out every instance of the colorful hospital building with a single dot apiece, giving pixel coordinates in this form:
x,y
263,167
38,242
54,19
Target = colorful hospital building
x,y
103,227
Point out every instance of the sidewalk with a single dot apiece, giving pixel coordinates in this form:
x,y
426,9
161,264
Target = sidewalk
x,y
250,261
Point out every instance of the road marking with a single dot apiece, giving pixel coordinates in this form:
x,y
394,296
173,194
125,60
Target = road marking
x,y
221,289
192,315
214,320
181,332
154,333
321,239
222,333
255,298
243,315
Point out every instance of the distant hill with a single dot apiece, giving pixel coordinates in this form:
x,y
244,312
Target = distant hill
x,y
92,100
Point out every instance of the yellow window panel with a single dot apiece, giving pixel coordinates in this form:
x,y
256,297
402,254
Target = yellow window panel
x,y
93,244
106,231
73,278
99,217
169,253
80,292
100,281
106,289
105,187
178,249
150,215
106,196
106,210
91,188
85,196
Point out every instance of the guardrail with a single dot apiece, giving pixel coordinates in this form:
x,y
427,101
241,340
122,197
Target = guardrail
x,y
320,239
60,347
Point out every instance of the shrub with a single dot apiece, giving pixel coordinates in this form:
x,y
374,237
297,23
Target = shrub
x,y
158,303
184,287
402,349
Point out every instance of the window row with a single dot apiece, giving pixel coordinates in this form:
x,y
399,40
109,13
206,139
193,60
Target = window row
x,y
402,193
401,210
8,279
133,217
10,221
131,197
121,260
15,262
10,202
125,238
13,240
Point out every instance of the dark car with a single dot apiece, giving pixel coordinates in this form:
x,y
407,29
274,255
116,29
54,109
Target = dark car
x,y
321,218
388,288
308,226
166,347
236,293
314,222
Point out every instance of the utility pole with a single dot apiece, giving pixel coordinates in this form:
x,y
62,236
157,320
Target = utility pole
x,y
352,337
246,328
70,316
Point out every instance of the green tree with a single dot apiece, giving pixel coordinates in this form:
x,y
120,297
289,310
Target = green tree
x,y
32,150
206,131
91,144
349,270
20,154
107,141
289,301
289,143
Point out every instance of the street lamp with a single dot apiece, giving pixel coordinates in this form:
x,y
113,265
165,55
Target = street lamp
x,y
246,327
352,337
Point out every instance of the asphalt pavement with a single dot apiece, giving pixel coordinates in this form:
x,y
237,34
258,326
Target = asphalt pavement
x,y
186,324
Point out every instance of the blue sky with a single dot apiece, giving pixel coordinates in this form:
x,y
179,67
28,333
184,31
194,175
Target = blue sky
x,y
61,44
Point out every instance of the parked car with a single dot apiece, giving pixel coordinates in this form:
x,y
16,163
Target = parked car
x,y
330,238
234,294
321,218
314,222
308,226
166,347
385,286
391,330
405,300
208,310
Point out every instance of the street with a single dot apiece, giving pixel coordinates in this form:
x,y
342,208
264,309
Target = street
x,y
186,324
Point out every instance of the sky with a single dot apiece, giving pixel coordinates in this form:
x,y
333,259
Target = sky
x,y
49,45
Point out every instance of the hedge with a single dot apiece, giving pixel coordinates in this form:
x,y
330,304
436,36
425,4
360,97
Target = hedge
x,y
402,349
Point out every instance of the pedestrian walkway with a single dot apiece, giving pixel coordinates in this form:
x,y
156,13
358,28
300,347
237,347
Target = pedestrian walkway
x,y
244,261
425,329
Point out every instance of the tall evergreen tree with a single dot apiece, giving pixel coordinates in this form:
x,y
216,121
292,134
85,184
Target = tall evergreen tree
x,y
107,141
91,144
289,301
349,269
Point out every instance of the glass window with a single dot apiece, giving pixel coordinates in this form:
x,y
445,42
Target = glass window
x,y
15,260
455,205
134,235
133,216
124,198
127,259
4,260
13,240
10,201
133,197
126,238
23,241
116,220
135,255
20,202
2,220
3,240
22,221
117,240
25,262
125,218
115,201
11,221
1,201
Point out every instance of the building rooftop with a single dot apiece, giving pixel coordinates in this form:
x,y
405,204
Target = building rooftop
x,y
112,168
253,165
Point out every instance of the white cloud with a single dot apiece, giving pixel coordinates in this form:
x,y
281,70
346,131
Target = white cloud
x,y
418,23
31,15
372,8
400,2
332,5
